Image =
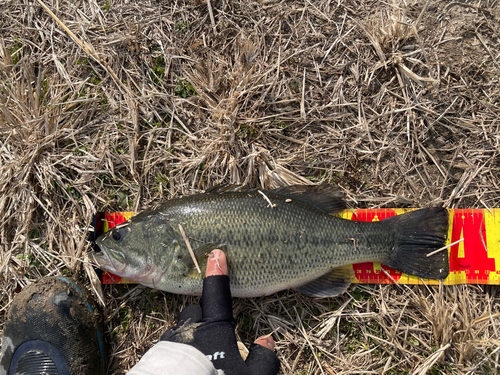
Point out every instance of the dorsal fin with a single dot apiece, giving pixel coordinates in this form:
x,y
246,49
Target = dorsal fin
x,y
325,197
231,188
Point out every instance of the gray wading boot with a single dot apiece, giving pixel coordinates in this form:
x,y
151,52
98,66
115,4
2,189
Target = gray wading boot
x,y
53,328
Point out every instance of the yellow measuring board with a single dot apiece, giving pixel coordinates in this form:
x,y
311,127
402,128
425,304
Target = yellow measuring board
x,y
474,254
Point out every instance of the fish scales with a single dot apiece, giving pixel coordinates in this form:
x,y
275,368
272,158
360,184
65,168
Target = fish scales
x,y
263,242
268,248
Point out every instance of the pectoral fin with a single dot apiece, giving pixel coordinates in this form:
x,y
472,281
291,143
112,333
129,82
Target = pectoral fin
x,y
201,255
331,284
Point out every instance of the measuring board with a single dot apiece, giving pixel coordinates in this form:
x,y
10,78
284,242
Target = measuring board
x,y
474,254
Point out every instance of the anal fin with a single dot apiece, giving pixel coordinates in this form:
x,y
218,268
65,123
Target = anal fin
x,y
331,284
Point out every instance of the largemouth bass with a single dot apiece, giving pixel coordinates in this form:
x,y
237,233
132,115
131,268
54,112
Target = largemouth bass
x,y
273,240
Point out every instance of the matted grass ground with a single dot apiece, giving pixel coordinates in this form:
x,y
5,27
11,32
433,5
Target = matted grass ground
x,y
118,105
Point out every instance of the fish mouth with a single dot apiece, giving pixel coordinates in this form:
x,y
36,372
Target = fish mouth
x,y
101,259
150,275
106,262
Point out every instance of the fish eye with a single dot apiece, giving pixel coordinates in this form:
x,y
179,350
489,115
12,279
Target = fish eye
x,y
117,236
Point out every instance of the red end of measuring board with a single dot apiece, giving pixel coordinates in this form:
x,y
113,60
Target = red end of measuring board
x,y
474,255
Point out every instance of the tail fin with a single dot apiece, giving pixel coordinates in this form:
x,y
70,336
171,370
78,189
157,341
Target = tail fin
x,y
417,234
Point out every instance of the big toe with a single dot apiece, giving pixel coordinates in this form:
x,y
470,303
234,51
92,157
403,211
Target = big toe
x,y
265,341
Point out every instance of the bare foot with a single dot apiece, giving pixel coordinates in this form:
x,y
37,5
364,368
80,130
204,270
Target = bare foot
x,y
265,341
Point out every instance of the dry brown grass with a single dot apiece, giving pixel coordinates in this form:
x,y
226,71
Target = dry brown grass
x,y
397,102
